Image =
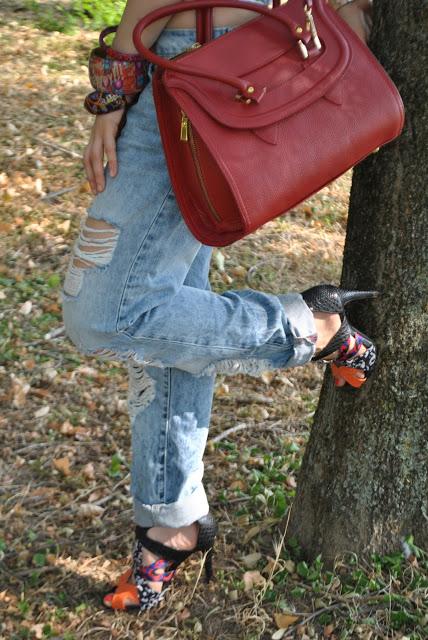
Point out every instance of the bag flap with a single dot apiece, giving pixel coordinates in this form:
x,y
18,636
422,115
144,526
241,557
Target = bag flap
x,y
263,52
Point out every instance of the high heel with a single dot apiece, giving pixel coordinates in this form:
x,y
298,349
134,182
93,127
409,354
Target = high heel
x,y
330,299
327,298
140,593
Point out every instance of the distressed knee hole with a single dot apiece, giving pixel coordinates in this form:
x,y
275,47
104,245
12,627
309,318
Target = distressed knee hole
x,y
93,248
96,244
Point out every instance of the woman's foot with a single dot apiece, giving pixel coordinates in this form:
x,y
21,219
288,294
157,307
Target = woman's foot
x,y
183,539
327,325
351,353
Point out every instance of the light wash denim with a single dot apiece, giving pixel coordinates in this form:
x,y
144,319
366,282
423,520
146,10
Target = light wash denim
x,y
146,299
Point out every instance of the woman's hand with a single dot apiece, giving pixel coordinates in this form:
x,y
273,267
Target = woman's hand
x,y
358,15
102,142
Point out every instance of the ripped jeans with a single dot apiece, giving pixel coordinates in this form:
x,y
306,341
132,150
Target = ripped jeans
x,y
137,290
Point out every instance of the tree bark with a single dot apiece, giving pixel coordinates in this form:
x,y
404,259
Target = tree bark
x,y
363,485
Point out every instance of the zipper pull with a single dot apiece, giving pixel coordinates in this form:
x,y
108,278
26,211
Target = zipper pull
x,y
184,127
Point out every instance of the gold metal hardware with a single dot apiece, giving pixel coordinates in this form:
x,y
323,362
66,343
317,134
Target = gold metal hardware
x,y
250,89
303,49
241,98
310,26
195,45
299,30
184,128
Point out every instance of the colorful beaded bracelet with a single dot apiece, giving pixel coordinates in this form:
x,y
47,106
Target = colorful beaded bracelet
x,y
117,77
98,102
123,77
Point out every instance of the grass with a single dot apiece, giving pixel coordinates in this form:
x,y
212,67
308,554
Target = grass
x,y
65,509
68,17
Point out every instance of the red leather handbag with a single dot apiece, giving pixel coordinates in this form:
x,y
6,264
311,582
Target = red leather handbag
x,y
260,118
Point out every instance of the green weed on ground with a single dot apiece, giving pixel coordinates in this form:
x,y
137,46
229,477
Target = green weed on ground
x,y
67,17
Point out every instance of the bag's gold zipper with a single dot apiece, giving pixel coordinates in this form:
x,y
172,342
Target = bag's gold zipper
x,y
184,128
195,45
186,135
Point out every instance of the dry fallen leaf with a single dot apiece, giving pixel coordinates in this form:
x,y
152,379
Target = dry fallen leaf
x,y
20,389
183,614
251,560
237,484
63,465
290,566
239,271
42,412
67,428
25,308
268,376
252,579
328,630
37,629
291,482
89,471
219,259
88,510
222,390
270,566
64,226
252,532
284,620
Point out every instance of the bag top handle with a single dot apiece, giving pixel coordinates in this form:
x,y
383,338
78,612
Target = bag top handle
x,y
248,90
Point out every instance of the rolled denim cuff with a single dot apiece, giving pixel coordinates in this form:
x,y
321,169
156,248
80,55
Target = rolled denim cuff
x,y
176,514
301,326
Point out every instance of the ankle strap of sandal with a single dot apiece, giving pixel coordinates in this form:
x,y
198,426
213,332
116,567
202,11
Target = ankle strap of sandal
x,y
346,351
160,549
158,571
336,341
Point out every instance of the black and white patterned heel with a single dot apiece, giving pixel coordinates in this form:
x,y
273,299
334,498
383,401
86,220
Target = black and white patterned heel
x,y
139,592
351,362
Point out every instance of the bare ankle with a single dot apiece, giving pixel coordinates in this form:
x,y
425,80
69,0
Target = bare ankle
x,y
327,325
177,538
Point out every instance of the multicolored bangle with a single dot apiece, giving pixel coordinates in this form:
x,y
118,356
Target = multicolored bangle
x,y
117,77
99,102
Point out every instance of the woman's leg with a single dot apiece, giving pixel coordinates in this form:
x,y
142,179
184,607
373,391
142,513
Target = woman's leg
x,y
170,413
125,293
137,290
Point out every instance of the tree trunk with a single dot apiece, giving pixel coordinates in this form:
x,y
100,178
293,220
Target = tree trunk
x,y
363,485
